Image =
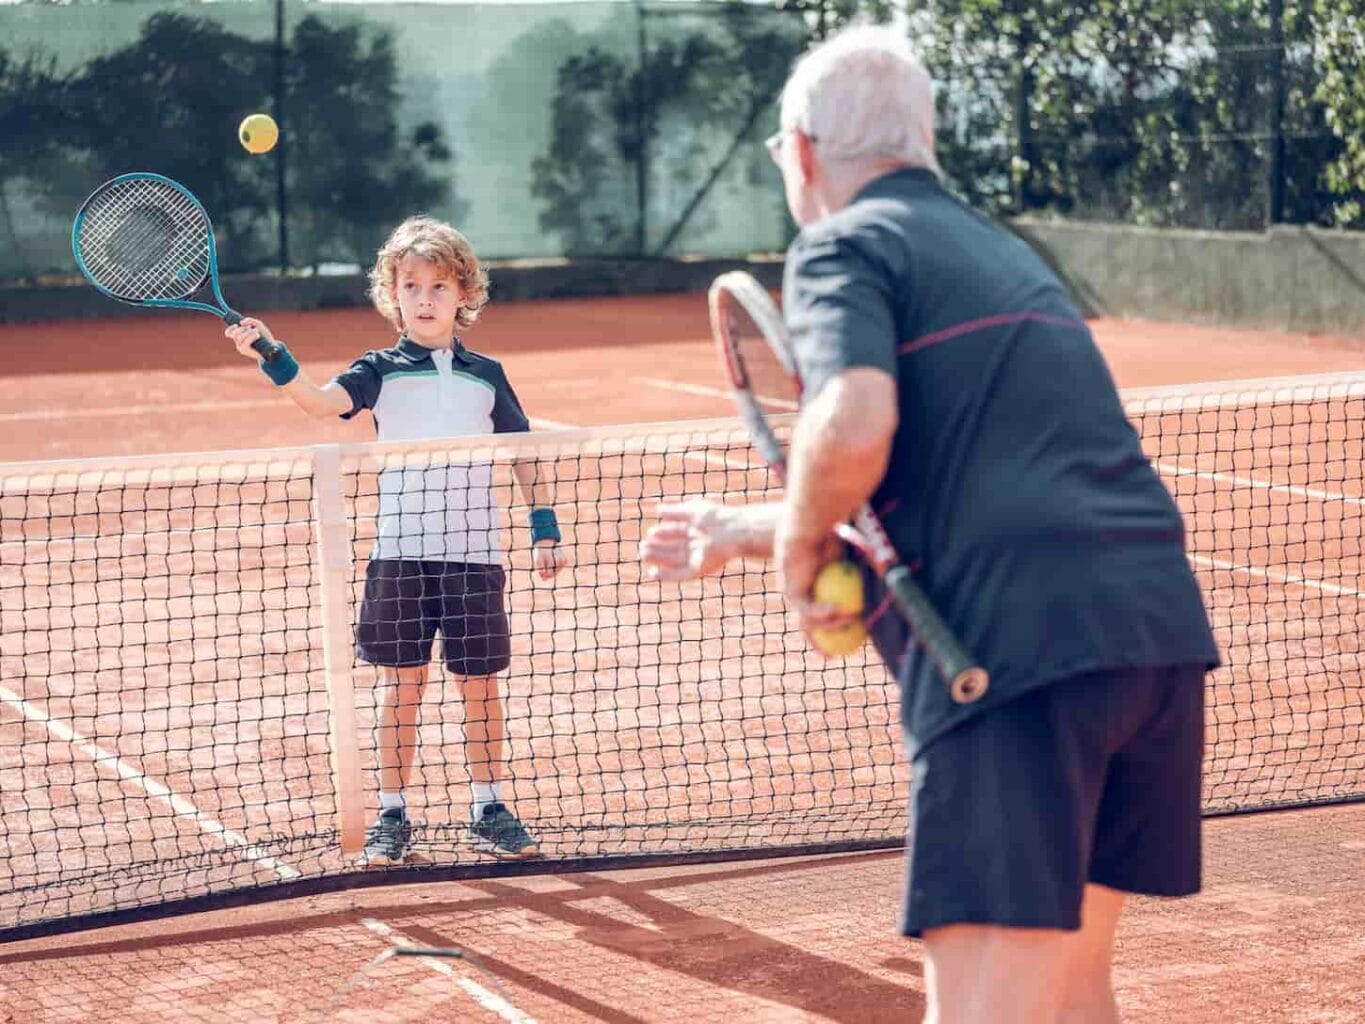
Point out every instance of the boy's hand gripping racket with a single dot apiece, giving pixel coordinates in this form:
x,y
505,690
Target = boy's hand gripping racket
x,y
757,354
146,240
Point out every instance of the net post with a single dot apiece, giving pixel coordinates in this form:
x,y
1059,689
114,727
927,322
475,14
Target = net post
x,y
334,562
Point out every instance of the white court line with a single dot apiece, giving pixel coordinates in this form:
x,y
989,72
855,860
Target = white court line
x,y
48,415
44,415
705,392
720,461
723,462
1275,577
490,1001
150,786
1174,469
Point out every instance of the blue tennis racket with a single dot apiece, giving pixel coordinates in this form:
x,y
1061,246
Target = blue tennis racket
x,y
146,240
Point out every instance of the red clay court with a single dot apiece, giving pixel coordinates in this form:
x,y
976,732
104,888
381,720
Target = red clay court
x,y
1273,492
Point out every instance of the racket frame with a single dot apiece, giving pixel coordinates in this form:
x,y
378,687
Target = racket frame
x,y
967,681
268,350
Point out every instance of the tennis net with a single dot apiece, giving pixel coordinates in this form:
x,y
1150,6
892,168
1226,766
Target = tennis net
x,y
184,724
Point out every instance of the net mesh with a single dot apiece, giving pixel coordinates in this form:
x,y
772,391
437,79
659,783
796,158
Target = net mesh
x,y
165,710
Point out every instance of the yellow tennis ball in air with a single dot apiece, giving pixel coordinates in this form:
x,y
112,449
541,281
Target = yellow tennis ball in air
x,y
840,584
258,133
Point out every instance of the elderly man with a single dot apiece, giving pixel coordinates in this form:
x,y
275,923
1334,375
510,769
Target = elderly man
x,y
950,380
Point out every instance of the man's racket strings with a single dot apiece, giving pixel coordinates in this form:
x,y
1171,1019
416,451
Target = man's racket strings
x,y
146,240
755,349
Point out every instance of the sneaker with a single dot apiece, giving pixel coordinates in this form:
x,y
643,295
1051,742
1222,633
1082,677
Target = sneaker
x,y
498,831
388,840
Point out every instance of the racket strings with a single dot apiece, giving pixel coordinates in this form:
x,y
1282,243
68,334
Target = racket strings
x,y
145,239
767,378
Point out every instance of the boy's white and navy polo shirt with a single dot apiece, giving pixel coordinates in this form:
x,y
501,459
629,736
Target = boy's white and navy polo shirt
x,y
445,512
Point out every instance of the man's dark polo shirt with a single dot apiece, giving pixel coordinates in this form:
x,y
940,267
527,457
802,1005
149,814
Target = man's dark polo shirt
x,y
1017,488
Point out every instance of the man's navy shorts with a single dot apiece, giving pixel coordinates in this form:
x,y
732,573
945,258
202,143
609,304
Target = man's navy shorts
x,y
1095,778
407,602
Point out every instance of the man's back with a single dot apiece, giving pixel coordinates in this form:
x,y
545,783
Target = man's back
x,y
1017,487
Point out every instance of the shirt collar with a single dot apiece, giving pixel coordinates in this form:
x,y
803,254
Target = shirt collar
x,y
893,181
415,350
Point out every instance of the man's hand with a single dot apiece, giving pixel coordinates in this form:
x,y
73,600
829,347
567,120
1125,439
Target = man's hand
x,y
799,560
697,538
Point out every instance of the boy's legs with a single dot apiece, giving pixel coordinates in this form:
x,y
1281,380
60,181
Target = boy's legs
x,y
492,822
982,974
397,728
484,732
394,632
477,646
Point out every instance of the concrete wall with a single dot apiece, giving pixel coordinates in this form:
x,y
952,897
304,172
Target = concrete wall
x,y
1288,278
1297,279
511,281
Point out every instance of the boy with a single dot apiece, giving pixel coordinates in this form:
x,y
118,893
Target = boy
x,y
436,565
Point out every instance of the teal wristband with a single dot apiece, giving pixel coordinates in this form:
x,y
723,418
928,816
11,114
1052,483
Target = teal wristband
x,y
544,526
282,369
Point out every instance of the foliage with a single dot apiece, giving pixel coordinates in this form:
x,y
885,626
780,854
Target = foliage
x,y
171,100
1339,27
354,176
1146,111
31,114
658,119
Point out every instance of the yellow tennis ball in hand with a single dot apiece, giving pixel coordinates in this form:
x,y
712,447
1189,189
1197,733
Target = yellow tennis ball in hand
x,y
258,133
840,584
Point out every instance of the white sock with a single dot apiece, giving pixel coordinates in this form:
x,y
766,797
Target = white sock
x,y
389,801
485,793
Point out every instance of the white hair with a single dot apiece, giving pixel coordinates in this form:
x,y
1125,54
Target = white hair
x,y
864,94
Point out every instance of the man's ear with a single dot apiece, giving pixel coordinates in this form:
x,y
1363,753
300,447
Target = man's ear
x,y
805,154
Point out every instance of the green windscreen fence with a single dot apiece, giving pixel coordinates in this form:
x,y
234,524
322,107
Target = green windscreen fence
x,y
538,129
635,129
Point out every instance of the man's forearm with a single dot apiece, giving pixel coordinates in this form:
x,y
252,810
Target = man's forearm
x,y
839,453
753,528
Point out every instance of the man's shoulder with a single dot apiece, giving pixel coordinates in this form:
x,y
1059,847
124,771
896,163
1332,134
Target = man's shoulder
x,y
908,206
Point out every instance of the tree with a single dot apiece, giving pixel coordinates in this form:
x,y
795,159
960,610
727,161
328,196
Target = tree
x,y
1340,31
170,102
671,121
31,107
353,174
1149,111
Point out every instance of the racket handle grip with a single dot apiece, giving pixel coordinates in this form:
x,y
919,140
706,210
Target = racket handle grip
x,y
967,681
268,350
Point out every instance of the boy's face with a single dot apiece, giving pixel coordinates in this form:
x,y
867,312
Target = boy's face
x,y
429,300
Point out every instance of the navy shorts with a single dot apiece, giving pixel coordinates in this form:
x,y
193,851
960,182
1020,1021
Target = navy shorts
x,y
408,602
1095,778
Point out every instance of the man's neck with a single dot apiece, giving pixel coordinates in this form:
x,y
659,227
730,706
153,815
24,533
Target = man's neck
x,y
845,179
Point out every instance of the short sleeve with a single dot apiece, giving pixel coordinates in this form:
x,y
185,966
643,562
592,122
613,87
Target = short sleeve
x,y
838,307
508,417
362,381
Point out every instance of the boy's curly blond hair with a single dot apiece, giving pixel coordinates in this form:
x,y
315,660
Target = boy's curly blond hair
x,y
440,243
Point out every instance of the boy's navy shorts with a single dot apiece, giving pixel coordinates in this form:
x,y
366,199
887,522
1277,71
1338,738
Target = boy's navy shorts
x,y
1095,778
407,602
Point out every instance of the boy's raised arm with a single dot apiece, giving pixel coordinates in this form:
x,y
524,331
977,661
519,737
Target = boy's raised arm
x,y
331,399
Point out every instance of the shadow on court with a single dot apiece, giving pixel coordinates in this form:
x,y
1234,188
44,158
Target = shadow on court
x,y
756,942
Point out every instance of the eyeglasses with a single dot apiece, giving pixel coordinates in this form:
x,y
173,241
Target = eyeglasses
x,y
774,141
